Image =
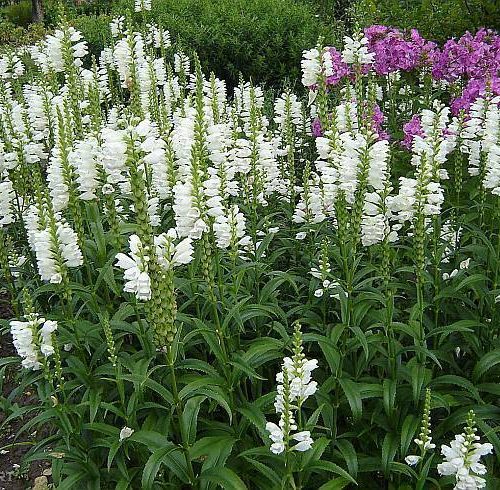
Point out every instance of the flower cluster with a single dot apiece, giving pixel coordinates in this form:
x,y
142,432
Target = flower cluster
x,y
295,386
472,60
396,50
32,339
424,439
462,458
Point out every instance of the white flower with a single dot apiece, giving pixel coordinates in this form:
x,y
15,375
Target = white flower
x,y
287,107
33,338
412,460
68,244
300,379
276,435
15,263
187,216
170,254
301,235
462,460
22,334
84,158
305,441
356,51
294,387
117,26
125,433
230,230
451,275
7,197
142,5
465,264
48,328
311,67
135,266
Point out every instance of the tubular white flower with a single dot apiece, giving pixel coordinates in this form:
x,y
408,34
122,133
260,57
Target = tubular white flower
x,y
7,197
311,67
48,328
84,158
68,244
187,216
171,254
136,267
295,386
277,437
142,5
356,51
22,334
230,230
46,258
300,378
182,64
462,456
287,107
114,156
412,460
33,339
56,182
125,433
491,148
304,439
117,26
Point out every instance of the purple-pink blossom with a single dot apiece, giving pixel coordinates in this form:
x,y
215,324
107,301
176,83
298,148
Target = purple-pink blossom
x,y
395,50
411,129
474,89
475,57
378,120
316,128
340,67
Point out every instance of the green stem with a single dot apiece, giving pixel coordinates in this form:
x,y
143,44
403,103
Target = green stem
x,y
179,410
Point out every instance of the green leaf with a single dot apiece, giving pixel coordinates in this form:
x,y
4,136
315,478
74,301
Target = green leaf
x,y
389,386
224,477
352,392
215,393
71,481
268,473
153,465
458,381
486,362
332,468
408,430
336,484
190,416
389,449
349,454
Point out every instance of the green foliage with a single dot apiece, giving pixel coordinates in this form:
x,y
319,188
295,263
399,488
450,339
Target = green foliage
x,y
18,13
95,29
438,20
262,39
14,35
393,338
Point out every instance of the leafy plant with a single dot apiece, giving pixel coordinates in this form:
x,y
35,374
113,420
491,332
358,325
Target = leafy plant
x,y
255,290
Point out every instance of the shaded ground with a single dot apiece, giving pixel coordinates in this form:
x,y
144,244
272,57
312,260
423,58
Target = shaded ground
x,y
13,475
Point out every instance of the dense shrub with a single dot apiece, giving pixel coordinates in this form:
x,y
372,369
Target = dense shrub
x,y
95,29
436,20
262,39
18,13
14,35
